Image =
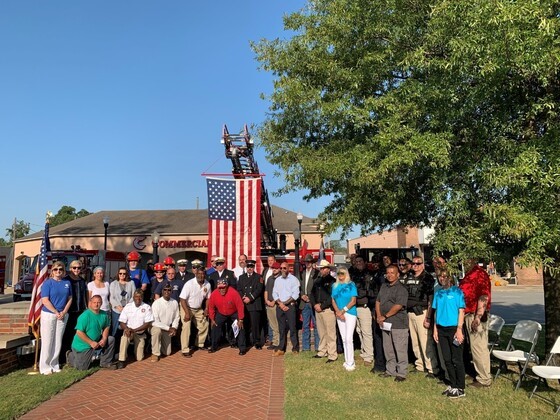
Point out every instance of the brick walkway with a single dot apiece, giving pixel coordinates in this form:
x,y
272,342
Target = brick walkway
x,y
220,385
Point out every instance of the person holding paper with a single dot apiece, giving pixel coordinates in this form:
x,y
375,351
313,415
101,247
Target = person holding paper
x,y
225,304
390,310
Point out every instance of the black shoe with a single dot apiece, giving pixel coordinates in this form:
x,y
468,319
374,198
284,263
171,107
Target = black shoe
x,y
233,346
258,347
330,361
384,375
203,348
120,365
400,379
317,357
271,348
187,355
242,352
112,366
430,375
211,350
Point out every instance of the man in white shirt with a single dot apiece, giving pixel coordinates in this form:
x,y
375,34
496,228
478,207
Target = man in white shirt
x,y
241,268
193,298
166,322
136,317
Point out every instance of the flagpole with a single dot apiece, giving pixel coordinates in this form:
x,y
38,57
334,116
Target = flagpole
x,y
34,323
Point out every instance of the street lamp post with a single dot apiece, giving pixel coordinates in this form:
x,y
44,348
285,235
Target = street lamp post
x,y
106,226
155,245
297,239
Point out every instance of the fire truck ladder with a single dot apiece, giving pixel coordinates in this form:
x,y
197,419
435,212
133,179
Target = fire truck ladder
x,y
239,149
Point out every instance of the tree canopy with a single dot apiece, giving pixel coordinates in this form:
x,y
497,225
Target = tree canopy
x,y
441,113
67,214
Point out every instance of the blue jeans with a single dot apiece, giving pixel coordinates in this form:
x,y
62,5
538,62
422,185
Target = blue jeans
x,y
308,315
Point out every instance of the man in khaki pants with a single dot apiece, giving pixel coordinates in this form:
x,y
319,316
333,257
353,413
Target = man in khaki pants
x,y
476,287
193,298
321,301
271,306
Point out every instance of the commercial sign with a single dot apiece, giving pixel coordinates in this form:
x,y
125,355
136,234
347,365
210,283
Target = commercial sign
x,y
171,244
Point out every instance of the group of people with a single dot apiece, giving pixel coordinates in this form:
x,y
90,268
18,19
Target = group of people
x,y
384,305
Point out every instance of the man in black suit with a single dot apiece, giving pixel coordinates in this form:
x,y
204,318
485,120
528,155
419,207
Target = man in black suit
x,y
307,280
251,289
222,273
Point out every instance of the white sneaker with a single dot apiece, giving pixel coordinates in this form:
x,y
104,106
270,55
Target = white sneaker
x,y
350,368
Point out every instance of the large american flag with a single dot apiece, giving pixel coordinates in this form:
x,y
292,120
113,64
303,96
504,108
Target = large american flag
x,y
234,219
41,274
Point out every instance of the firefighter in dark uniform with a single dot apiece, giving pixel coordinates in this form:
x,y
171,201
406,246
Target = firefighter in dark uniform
x,y
251,289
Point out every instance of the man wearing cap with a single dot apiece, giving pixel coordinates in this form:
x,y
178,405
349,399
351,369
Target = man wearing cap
x,y
271,305
225,305
321,300
251,288
222,273
172,280
306,308
194,298
183,274
286,294
166,322
135,319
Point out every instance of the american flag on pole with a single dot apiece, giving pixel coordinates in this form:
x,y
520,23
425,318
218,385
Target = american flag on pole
x,y
234,219
41,274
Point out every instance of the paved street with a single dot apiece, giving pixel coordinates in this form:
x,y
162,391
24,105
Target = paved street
x,y
514,303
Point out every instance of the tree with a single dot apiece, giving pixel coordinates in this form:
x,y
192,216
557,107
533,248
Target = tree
x,y
426,113
67,214
18,230
338,246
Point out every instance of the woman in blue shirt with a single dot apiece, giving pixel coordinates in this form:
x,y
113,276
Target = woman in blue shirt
x,y
56,297
344,295
449,305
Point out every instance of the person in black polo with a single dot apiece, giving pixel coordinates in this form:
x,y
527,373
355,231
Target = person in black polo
x,y
321,301
363,279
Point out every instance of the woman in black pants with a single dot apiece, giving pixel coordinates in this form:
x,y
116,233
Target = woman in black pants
x,y
449,305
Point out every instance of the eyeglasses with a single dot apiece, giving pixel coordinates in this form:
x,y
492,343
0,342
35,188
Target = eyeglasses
x,y
122,274
417,263
167,290
76,268
57,269
283,268
340,274
220,263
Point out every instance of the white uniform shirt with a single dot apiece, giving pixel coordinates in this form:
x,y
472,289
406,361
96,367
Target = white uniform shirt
x,y
134,316
195,294
166,314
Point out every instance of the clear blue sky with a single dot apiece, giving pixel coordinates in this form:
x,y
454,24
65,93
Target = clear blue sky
x,y
119,105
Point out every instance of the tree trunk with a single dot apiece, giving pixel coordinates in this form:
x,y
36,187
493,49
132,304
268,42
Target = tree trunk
x,y
551,285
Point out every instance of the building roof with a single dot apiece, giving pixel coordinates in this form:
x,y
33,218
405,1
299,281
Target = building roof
x,y
166,222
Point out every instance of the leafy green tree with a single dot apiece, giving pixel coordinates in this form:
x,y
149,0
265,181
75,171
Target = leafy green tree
x,y
337,246
441,113
67,214
18,230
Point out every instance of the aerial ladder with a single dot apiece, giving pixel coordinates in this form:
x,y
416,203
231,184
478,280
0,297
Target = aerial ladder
x,y
239,149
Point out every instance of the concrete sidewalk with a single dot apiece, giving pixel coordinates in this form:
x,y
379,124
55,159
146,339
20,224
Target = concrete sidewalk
x,y
220,385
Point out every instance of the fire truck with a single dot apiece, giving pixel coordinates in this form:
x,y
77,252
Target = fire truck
x,y
111,260
239,150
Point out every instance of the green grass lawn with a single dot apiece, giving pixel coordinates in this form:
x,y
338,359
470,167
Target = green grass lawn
x,y
315,389
22,392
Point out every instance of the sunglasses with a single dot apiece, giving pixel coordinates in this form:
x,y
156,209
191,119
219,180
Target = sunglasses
x,y
57,269
340,274
283,268
220,263
76,268
122,274
417,263
167,290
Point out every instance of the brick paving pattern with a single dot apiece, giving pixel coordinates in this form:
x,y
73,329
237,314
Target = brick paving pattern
x,y
220,385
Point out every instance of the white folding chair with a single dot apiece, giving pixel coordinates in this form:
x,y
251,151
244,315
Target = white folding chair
x,y
548,372
495,325
527,331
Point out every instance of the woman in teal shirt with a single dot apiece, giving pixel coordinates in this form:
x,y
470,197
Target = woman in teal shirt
x,y
344,295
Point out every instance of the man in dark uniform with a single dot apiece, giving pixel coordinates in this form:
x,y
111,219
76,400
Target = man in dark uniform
x,y
251,289
222,273
182,273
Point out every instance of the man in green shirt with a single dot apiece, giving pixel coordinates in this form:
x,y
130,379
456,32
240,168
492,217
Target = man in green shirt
x,y
92,335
